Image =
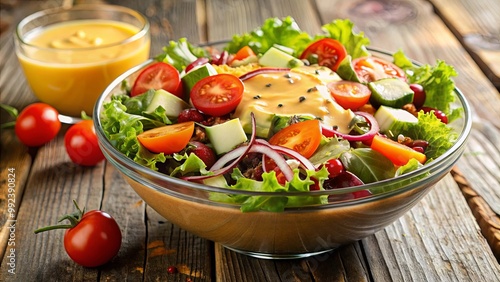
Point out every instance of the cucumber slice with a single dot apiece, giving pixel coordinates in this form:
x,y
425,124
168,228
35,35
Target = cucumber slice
x,y
277,58
392,92
392,121
226,136
346,71
172,104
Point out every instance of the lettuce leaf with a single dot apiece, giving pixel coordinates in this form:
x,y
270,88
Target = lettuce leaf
x,y
440,136
270,183
342,30
284,32
437,82
181,53
122,128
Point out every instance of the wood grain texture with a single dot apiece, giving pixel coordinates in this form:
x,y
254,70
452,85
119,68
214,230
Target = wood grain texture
x,y
477,25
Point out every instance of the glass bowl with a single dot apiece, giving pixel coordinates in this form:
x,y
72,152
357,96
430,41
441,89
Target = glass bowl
x,y
70,55
296,232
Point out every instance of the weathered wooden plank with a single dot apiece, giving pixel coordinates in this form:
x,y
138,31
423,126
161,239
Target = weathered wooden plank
x,y
476,25
14,170
426,246
52,185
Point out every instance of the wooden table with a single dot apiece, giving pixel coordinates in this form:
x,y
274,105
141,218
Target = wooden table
x,y
453,234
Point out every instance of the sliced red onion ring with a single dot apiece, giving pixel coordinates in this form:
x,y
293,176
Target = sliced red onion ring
x,y
276,157
253,73
237,154
304,162
374,128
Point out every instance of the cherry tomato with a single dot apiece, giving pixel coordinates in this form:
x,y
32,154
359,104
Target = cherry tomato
x,y
370,69
157,76
167,139
81,144
37,124
91,239
303,137
349,94
218,94
326,52
95,240
334,167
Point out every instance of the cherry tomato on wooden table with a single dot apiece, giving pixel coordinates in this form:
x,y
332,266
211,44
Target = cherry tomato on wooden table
x,y
81,144
371,68
91,239
156,76
167,139
37,124
326,52
217,95
349,94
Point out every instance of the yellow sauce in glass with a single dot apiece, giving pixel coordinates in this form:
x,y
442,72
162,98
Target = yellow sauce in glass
x,y
74,62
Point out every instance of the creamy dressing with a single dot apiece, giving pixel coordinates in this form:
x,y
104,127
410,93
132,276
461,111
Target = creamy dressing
x,y
296,92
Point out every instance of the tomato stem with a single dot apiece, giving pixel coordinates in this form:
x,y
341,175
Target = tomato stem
x,y
74,219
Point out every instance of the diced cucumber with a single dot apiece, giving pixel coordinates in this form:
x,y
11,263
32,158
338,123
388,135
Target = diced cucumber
x,y
172,104
277,58
392,121
193,76
392,92
226,136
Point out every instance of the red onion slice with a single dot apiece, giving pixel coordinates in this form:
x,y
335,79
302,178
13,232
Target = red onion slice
x,y
374,128
253,73
276,157
304,162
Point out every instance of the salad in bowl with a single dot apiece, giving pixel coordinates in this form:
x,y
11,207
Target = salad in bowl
x,y
281,144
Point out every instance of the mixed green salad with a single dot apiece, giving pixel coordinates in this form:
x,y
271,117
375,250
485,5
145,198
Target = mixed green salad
x,y
280,110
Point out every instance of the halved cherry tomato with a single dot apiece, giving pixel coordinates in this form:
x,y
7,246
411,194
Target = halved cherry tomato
x,y
218,94
371,68
157,76
349,94
167,139
303,137
242,54
398,153
327,52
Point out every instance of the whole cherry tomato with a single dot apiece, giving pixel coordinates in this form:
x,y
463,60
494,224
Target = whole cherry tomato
x,y
81,144
37,124
92,238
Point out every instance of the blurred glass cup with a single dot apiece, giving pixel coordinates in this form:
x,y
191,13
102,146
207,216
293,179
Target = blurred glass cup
x,y
69,56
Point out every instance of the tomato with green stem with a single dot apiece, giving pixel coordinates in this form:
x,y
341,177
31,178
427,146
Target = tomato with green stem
x,y
91,239
326,52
